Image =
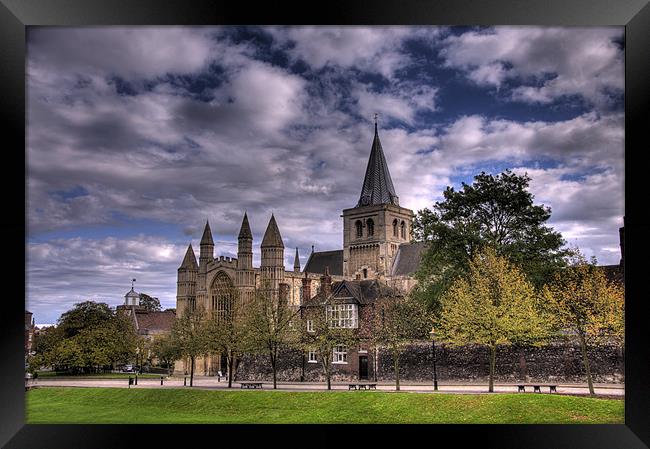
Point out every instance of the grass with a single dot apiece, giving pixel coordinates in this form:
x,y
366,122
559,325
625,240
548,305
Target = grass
x,y
52,374
148,406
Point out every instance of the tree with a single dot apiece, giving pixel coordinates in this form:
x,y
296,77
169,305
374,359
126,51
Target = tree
x,y
586,303
84,315
495,211
229,333
189,336
493,304
270,325
164,350
323,338
150,303
398,321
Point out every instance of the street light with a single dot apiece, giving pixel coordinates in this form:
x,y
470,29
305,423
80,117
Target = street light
x,y
433,346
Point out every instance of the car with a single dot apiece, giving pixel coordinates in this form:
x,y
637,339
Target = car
x,y
28,375
127,369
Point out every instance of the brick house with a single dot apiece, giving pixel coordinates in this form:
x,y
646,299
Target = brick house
x,y
348,304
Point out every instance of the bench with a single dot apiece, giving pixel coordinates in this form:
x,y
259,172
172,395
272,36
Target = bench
x,y
362,386
537,388
250,384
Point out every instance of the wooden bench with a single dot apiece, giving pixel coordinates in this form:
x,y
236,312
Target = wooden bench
x,y
537,388
362,386
251,384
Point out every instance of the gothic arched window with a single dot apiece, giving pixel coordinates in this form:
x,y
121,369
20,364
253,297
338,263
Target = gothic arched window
x,y
395,228
359,227
403,230
371,226
222,295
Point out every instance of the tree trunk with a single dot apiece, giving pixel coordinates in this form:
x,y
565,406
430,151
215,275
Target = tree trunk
x,y
523,369
231,364
396,368
493,358
585,359
192,371
275,374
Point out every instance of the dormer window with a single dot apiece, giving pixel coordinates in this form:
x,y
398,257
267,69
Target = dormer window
x,y
342,316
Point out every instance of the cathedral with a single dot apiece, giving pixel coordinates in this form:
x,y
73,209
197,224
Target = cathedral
x,y
376,246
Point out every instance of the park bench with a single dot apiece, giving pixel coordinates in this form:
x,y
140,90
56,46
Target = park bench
x,y
362,386
537,388
250,384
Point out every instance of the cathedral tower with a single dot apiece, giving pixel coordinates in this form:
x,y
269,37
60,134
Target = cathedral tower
x,y
206,255
245,276
272,266
377,225
186,284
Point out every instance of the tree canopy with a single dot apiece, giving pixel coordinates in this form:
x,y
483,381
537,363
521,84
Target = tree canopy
x,y
150,303
493,304
496,211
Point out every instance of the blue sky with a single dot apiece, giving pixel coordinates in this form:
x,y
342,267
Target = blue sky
x,y
136,135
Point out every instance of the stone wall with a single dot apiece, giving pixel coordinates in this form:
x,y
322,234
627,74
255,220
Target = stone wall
x,y
560,362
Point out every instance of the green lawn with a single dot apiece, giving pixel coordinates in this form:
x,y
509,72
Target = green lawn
x,y
51,374
117,405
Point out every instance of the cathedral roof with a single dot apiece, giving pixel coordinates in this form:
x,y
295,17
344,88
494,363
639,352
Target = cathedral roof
x,y
245,231
407,259
207,235
189,261
319,260
272,237
377,184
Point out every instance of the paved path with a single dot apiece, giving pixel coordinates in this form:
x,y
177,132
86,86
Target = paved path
x,y
613,390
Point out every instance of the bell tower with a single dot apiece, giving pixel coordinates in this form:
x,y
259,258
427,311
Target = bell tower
x,y
377,225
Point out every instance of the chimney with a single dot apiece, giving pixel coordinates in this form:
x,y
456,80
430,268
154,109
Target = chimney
x,y
326,282
306,288
284,293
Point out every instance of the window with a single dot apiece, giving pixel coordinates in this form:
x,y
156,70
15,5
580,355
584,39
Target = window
x,y
342,315
365,273
371,226
310,326
395,228
311,358
359,227
403,230
340,354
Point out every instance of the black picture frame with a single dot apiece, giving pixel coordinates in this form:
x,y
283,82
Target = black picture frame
x,y
15,15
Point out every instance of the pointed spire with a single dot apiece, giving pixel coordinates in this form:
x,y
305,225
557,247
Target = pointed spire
x,y
207,235
189,261
296,262
377,184
272,237
245,230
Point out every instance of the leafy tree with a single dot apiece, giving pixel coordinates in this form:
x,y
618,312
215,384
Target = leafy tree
x,y
84,315
398,321
323,338
270,325
189,336
150,303
495,211
164,350
586,303
492,305
229,333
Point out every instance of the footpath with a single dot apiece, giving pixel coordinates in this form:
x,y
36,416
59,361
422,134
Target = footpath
x,y
212,383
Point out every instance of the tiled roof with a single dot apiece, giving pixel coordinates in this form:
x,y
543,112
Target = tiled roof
x,y
319,260
189,261
272,237
408,258
207,235
356,291
245,230
155,321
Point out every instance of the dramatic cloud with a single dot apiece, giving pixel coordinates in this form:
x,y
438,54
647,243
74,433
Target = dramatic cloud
x,y
137,135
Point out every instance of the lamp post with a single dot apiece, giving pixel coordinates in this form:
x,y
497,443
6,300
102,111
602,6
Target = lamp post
x,y
433,347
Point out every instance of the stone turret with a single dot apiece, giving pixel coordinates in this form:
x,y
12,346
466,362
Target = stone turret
x,y
186,282
206,255
272,266
296,262
245,275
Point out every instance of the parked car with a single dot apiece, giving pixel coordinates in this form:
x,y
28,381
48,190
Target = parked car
x,y
127,369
